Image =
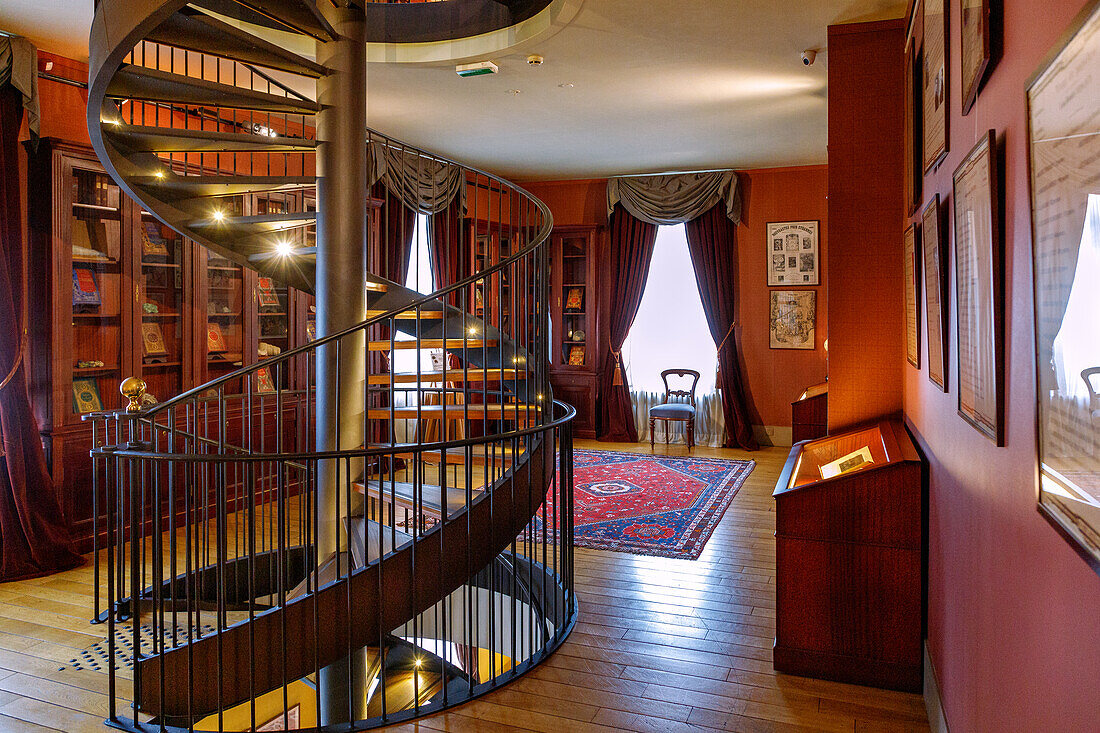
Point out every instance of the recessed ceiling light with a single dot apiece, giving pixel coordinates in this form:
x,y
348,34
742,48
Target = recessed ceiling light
x,y
514,92
566,85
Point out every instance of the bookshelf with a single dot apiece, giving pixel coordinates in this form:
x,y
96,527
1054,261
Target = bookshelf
x,y
574,305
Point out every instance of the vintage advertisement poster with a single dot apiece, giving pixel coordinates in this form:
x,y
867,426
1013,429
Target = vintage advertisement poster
x,y
792,253
793,316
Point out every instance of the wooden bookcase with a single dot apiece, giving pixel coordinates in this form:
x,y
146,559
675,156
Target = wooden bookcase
x,y
574,309
849,561
159,298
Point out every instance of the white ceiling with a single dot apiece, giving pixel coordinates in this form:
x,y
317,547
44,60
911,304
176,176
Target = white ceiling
x,y
658,85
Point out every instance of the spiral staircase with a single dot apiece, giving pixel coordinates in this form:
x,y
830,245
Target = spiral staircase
x,y
315,541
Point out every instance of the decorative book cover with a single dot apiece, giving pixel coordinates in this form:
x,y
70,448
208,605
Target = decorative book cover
x,y
574,299
152,340
85,287
215,341
267,296
264,385
576,356
86,396
152,243
311,330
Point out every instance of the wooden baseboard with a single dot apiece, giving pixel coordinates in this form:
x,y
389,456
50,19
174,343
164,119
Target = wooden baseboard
x,y
853,670
933,704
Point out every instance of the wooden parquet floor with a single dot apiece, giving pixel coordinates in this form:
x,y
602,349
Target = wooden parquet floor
x,y
662,645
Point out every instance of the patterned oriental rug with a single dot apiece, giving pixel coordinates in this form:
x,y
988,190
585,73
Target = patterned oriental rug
x,y
666,506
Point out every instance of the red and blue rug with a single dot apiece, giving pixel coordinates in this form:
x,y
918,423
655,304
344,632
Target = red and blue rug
x,y
666,506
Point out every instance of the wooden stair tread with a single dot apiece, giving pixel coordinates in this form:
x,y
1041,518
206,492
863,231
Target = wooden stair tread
x,y
410,315
493,410
470,343
457,456
472,374
404,493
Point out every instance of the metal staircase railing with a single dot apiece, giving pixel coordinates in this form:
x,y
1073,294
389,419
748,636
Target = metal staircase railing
x,y
247,576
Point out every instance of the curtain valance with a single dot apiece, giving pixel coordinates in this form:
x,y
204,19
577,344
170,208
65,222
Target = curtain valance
x,y
423,184
19,67
675,198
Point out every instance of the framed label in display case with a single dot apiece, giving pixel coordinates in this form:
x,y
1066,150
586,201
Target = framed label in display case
x,y
792,248
934,83
934,277
1064,154
978,289
912,305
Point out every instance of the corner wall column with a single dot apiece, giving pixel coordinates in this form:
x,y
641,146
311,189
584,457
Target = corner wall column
x,y
341,303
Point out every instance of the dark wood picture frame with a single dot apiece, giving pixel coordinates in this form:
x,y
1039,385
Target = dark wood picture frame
x,y
935,84
914,172
976,48
934,266
1063,128
976,190
911,247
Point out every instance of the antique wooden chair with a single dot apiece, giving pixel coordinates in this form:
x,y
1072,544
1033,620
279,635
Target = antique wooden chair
x,y
1094,392
679,405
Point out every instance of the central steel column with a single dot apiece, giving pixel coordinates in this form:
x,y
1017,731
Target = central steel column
x,y
341,303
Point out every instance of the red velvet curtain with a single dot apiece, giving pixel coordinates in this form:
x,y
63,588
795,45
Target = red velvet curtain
x,y
396,228
713,246
628,261
33,537
447,253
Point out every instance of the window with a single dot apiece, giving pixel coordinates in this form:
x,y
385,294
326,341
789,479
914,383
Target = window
x,y
670,329
419,278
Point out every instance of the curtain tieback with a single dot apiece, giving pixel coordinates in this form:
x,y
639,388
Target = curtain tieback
x,y
718,373
617,378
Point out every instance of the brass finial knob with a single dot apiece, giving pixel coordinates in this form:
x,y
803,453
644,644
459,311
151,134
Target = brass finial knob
x,y
132,388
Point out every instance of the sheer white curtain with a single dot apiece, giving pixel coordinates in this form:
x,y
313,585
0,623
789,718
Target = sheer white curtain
x,y
1077,345
669,332
418,278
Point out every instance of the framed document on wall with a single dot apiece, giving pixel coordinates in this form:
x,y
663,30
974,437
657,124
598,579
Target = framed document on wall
x,y
1064,154
912,305
793,318
978,289
977,47
935,312
914,172
792,248
934,83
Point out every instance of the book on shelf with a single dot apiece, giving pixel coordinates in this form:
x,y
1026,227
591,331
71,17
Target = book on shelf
x,y
266,295
215,340
574,299
86,396
576,356
152,340
153,244
311,330
85,288
264,384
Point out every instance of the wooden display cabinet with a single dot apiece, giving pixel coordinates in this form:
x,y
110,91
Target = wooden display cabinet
x,y
810,414
850,561
574,305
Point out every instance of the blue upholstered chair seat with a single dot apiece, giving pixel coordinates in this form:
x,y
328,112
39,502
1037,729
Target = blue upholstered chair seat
x,y
673,410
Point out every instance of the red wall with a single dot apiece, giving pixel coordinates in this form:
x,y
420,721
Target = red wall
x,y
1013,612
865,210
775,378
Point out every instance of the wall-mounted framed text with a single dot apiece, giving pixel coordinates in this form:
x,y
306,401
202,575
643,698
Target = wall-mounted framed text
x,y
934,83
793,317
912,305
1063,102
792,251
978,289
976,29
914,172
935,277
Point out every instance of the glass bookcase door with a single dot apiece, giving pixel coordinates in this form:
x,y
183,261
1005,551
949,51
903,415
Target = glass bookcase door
x,y
273,300
574,335
224,318
161,307
96,235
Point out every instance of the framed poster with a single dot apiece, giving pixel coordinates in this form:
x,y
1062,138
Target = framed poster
x,y
793,315
934,83
1063,102
912,305
792,253
978,289
977,47
914,172
934,278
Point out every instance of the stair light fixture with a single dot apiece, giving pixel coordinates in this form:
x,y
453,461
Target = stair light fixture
x,y
283,248
159,173
418,662
219,215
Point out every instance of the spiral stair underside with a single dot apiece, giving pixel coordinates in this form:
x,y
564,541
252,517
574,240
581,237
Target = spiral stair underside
x,y
144,54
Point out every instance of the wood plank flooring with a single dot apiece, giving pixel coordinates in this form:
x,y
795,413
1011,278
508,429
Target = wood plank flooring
x,y
661,645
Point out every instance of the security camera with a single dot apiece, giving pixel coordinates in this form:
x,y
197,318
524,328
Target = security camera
x,y
808,57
